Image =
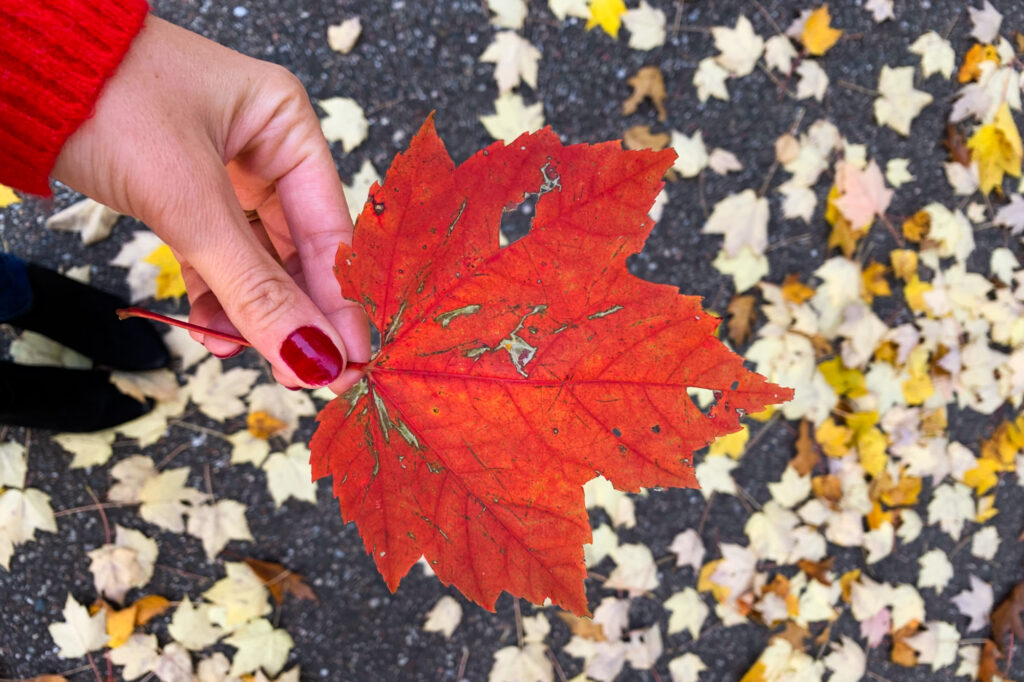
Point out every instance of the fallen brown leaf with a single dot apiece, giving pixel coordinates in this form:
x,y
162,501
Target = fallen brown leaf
x,y
807,455
647,83
795,634
280,581
741,309
584,627
641,137
818,570
795,291
956,144
1007,617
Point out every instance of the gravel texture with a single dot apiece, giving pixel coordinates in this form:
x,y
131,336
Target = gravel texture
x,y
418,57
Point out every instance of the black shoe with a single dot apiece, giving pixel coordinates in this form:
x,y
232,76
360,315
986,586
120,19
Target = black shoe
x,y
83,318
62,399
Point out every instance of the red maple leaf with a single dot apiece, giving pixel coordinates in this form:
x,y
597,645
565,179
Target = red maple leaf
x,y
508,377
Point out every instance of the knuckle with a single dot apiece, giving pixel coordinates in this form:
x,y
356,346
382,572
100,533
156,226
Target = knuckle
x,y
263,299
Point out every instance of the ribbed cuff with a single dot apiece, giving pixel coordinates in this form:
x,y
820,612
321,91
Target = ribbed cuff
x,y
55,56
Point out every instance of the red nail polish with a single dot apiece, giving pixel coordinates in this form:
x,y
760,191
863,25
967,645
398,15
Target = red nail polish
x,y
312,356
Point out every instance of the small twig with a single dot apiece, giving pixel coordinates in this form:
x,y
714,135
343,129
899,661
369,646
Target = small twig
x,y
174,453
781,85
209,480
181,572
858,88
103,514
892,230
700,192
462,664
92,507
556,664
196,427
767,16
750,498
92,663
519,623
704,516
876,676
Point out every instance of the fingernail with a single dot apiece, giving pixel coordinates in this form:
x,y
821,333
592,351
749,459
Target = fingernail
x,y
231,354
312,356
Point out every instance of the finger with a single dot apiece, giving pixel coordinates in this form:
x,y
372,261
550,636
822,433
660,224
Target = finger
x,y
206,311
314,208
266,306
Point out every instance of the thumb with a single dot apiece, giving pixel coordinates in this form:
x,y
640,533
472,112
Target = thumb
x,y
251,288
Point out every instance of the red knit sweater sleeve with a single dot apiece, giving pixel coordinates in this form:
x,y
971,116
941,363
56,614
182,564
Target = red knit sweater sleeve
x,y
55,56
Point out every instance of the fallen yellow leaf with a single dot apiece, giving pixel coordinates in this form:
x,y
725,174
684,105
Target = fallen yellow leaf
x,y
818,35
732,444
833,438
8,197
607,14
996,146
970,70
169,283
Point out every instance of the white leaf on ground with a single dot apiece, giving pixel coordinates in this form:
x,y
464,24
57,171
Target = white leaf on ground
x,y
951,506
138,655
89,449
985,543
897,172
612,614
692,155
126,563
880,10
31,348
635,570
536,628
936,570
963,179
847,661
13,465
985,21
131,474
218,394
342,37
514,58
159,384
247,448
599,493
165,499
1003,264
644,648
779,53
184,347
512,117
191,627
709,79
444,617
937,55
23,512
740,47
715,475
936,645
975,603
813,80
508,13
282,404
80,633
357,193
239,597
603,544
345,122
687,612
259,645
743,219
686,668
646,26
217,524
688,548
569,8
1012,214
723,161
529,664
290,475
862,193
173,665
899,103
92,220
141,275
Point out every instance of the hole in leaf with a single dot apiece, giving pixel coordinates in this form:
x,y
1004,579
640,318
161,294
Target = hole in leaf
x,y
517,221
704,399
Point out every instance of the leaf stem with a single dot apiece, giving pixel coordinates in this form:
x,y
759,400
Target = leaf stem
x,y
134,311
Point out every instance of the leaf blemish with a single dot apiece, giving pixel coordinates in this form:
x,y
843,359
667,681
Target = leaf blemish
x,y
444,319
604,313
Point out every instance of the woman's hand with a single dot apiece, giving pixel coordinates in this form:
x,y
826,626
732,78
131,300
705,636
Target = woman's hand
x,y
190,137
